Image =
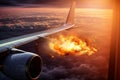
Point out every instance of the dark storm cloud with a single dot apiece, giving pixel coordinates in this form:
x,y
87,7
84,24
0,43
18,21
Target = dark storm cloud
x,y
7,2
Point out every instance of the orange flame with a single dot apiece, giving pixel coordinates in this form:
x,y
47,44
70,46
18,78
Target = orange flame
x,y
64,45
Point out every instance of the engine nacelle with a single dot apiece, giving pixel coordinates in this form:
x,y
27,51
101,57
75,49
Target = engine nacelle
x,y
22,66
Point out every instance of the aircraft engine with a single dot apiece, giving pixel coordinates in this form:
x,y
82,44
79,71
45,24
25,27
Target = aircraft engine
x,y
22,66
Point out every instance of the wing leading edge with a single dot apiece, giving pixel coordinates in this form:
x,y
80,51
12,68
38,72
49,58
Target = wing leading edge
x,y
21,40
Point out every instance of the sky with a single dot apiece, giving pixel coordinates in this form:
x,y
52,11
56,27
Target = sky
x,y
95,29
81,3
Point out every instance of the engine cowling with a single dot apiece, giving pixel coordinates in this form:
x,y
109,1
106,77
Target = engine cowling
x,y
23,66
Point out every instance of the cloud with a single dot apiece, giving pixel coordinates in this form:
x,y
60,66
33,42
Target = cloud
x,y
70,79
72,68
55,73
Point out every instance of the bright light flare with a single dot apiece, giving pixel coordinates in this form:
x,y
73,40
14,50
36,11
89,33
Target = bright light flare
x,y
65,45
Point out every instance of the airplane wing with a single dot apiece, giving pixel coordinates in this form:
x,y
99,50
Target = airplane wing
x,y
21,40
27,66
18,41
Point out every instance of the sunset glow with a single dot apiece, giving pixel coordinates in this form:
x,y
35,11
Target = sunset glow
x,y
95,3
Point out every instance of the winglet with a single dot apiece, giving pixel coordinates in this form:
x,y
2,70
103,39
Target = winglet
x,y
71,15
